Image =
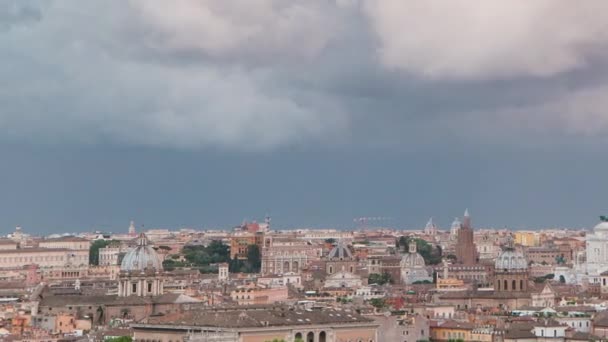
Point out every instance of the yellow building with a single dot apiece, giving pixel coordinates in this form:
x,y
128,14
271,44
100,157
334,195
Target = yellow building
x,y
529,239
450,283
452,330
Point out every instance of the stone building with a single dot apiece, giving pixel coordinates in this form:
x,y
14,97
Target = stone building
x,y
284,254
466,252
340,258
141,292
385,264
413,268
258,324
240,242
43,257
67,242
141,271
511,272
511,286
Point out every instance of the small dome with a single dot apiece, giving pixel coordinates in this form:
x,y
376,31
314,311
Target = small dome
x,y
141,257
340,251
511,260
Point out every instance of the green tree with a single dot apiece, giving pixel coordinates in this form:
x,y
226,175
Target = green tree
x,y
379,279
202,256
94,251
378,303
254,258
119,339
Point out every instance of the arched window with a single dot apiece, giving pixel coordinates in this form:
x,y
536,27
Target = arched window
x,y
521,285
506,286
513,285
322,336
310,337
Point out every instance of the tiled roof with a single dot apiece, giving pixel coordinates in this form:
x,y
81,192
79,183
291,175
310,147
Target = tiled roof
x,y
244,317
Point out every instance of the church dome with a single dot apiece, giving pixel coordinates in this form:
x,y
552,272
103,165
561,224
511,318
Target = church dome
x,y
141,257
601,227
511,260
341,252
413,258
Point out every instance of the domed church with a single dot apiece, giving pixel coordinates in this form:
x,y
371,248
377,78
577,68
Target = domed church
x,y
511,271
413,268
141,271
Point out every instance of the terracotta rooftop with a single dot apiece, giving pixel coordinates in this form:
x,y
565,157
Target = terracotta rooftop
x,y
252,317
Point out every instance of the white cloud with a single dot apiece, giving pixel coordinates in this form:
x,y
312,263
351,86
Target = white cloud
x,y
269,29
467,39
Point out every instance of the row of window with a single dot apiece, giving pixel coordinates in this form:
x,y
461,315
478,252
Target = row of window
x,y
38,258
455,335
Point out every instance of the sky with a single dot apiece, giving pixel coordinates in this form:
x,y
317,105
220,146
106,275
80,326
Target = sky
x,y
204,113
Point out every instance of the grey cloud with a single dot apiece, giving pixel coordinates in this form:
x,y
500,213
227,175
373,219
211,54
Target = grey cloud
x,y
269,73
18,12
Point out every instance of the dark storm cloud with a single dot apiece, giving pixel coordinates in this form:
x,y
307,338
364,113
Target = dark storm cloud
x,y
271,73
19,12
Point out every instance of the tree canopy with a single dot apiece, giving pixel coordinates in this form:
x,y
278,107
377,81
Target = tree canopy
x,y
379,279
432,255
94,250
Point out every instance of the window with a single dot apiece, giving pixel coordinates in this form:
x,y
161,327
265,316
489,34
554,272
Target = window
x,y
149,287
133,287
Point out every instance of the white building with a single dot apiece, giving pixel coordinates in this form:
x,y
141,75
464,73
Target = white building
x,y
413,268
550,328
343,279
597,251
370,292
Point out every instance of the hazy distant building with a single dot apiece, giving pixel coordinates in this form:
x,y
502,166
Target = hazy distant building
x,y
430,228
466,252
455,228
132,231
